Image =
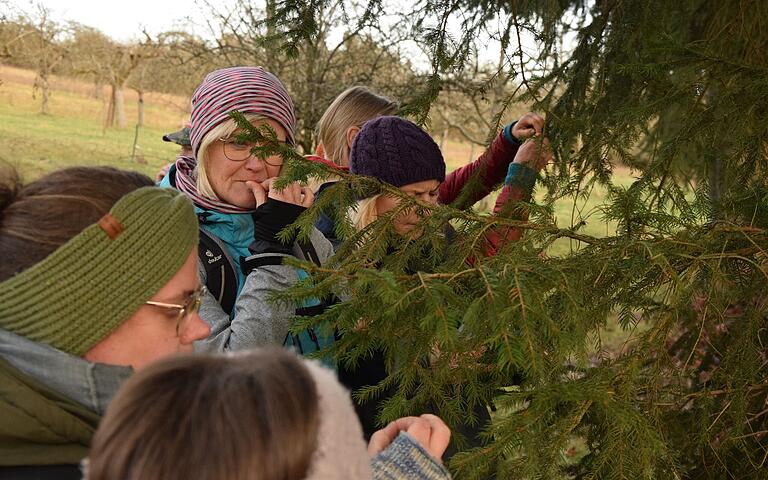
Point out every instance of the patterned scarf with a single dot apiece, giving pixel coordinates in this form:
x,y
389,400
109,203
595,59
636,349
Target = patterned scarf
x,y
186,182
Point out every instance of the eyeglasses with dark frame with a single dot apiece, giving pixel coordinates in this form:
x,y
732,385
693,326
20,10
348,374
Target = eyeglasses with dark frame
x,y
190,306
238,151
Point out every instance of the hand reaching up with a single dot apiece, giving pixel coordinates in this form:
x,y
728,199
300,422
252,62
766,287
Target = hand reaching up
x,y
534,153
529,125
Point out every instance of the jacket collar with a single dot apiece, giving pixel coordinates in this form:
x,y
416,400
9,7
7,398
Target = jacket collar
x,y
92,385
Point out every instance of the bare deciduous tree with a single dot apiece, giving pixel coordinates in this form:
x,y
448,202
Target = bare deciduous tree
x,y
34,39
344,50
114,64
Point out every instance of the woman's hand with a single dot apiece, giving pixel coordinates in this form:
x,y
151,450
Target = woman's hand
x,y
529,125
292,193
534,153
429,430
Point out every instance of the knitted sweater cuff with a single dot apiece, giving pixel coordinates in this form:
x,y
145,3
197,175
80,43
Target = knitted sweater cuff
x,y
520,175
405,458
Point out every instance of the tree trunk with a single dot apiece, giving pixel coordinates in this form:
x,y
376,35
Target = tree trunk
x,y
443,138
44,88
119,107
109,119
715,167
269,11
310,100
140,122
98,89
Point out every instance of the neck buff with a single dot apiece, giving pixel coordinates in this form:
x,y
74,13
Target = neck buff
x,y
186,182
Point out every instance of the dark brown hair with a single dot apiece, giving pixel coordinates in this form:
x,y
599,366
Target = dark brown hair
x,y
38,218
250,416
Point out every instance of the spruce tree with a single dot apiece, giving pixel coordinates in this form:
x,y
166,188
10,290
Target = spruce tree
x,y
678,91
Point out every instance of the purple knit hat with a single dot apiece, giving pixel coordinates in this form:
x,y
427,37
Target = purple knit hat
x,y
396,151
245,89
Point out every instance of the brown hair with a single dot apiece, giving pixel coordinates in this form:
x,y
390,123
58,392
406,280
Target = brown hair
x,y
249,416
38,218
352,108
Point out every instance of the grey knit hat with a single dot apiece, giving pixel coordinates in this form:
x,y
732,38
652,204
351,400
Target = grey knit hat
x,y
396,151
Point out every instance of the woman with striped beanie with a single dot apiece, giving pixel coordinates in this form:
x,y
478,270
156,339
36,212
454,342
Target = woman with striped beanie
x,y
241,254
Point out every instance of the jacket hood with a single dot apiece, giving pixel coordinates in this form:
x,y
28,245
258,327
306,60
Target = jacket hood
x,y
50,402
91,385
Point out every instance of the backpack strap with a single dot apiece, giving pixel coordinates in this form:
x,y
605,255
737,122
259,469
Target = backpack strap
x,y
221,277
249,264
308,341
309,252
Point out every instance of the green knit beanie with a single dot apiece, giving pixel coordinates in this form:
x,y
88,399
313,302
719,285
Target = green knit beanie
x,y
90,285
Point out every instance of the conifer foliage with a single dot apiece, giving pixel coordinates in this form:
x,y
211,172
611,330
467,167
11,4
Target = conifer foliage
x,y
679,92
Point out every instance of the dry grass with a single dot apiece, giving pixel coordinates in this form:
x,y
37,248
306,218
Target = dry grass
x,y
166,109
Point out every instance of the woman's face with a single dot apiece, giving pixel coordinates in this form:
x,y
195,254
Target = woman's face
x,y
425,191
228,177
155,332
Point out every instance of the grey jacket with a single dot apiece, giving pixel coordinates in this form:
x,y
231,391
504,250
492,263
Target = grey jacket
x,y
257,320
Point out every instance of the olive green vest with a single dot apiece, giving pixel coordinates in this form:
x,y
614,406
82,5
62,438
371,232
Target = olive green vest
x,y
39,426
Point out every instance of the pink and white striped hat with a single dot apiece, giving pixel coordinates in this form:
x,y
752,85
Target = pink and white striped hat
x,y
242,89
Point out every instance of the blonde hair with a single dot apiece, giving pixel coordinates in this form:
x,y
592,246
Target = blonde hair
x,y
364,212
222,130
352,108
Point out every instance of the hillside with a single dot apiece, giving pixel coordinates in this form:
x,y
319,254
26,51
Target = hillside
x,y
74,133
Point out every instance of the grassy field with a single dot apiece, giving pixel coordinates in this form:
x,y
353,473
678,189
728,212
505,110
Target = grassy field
x,y
73,134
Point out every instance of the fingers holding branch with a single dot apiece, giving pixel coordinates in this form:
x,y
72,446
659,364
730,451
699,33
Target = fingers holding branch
x,y
428,430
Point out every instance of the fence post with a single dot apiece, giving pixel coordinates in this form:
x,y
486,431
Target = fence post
x,y
135,141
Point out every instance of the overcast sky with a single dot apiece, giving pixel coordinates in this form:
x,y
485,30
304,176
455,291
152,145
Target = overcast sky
x,y
124,19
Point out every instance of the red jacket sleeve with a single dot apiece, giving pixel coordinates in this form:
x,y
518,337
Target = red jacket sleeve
x,y
496,238
481,177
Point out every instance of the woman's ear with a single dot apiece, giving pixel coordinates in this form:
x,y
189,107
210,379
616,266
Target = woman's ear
x,y
320,150
351,134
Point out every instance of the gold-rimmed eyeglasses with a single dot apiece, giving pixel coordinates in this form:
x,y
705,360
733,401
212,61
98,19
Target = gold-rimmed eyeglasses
x,y
238,151
190,306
